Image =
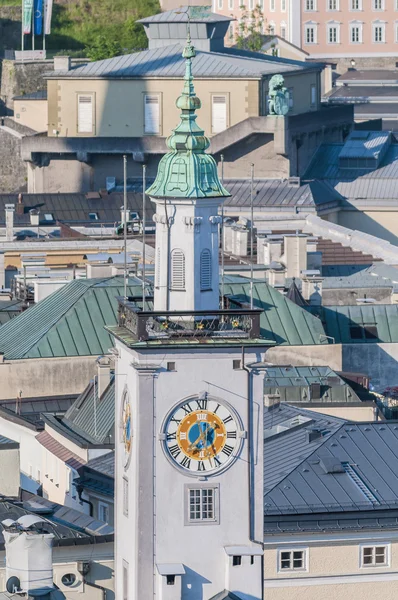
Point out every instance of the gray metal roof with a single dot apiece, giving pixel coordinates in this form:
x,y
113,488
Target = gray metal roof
x,y
353,276
104,464
363,144
180,15
91,417
358,76
168,62
363,92
352,469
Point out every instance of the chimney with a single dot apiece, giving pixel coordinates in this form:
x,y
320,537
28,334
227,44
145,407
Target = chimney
x,y
272,251
240,238
62,63
312,287
276,275
122,215
29,560
271,402
104,374
34,217
20,206
227,233
295,254
10,208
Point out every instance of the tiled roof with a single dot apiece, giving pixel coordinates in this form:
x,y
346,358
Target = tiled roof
x,y
167,61
350,469
69,322
64,454
91,417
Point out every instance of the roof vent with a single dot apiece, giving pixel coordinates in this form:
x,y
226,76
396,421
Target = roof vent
x,y
330,464
294,182
314,434
93,195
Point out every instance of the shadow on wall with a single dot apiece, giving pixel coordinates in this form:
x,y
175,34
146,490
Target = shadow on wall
x,y
354,218
192,584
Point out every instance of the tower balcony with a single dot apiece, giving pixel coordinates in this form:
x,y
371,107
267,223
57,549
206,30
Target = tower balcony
x,y
196,326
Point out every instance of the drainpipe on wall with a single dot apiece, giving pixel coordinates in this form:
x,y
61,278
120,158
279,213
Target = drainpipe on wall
x,y
84,568
79,489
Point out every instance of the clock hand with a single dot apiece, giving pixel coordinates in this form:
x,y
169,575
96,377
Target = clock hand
x,y
198,440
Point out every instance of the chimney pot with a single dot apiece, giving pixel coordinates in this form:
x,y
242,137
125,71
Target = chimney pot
x,y
62,63
104,374
271,401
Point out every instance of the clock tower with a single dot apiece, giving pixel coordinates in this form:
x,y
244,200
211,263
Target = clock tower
x,y
189,401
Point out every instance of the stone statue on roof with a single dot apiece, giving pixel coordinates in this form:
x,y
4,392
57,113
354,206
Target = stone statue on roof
x,y
278,96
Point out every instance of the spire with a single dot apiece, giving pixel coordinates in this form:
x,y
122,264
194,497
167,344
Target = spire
x,y
187,171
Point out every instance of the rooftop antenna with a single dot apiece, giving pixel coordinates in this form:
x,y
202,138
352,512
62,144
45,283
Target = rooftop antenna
x,y
125,222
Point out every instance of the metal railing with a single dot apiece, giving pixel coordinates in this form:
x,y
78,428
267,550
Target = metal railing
x,y
195,325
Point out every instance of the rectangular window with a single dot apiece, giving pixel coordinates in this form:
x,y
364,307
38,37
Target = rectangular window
x,y
378,4
220,3
218,113
125,580
310,34
355,34
374,556
125,496
103,512
93,216
333,34
251,4
355,4
313,95
310,5
202,505
152,113
272,4
283,32
292,560
85,113
283,5
333,5
378,34
231,4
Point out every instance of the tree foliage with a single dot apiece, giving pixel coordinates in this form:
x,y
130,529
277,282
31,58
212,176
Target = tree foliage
x,y
250,31
103,48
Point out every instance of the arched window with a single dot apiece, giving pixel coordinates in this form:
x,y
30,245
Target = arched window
x,y
205,270
177,269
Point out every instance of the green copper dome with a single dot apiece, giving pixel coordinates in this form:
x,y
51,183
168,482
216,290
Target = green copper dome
x,y
186,171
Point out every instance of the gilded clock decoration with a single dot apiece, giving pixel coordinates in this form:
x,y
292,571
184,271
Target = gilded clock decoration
x,y
202,435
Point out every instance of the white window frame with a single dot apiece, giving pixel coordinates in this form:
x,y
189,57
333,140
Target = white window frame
x,y
79,127
330,27
374,565
220,4
310,6
283,5
231,4
150,131
178,274
201,487
272,5
378,5
103,506
283,30
359,27
355,5
307,28
382,27
333,5
304,568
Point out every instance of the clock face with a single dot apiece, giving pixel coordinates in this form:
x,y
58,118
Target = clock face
x,y
127,428
202,436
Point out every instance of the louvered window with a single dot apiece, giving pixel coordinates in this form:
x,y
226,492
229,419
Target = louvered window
x,y
152,113
205,270
177,270
85,118
219,114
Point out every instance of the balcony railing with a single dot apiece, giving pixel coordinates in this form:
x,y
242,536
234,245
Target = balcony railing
x,y
196,325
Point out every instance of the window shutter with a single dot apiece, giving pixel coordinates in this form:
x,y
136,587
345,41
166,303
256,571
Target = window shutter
x,y
205,270
85,114
219,114
152,114
177,270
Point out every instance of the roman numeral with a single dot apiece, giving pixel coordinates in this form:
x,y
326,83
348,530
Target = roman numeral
x,y
187,409
171,436
227,450
218,462
202,404
228,419
174,420
186,462
231,434
174,450
216,409
201,466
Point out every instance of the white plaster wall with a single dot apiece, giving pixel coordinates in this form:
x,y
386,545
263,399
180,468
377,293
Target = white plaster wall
x,y
29,447
154,530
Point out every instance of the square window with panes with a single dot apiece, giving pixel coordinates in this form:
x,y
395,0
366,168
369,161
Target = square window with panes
x,y
355,34
310,5
292,560
374,556
202,504
310,34
332,34
378,33
333,4
378,4
355,4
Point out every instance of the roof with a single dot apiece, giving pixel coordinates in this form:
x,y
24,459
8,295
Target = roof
x,y
31,409
104,464
167,62
91,417
180,15
9,309
296,385
363,92
350,469
352,76
74,208
354,276
98,475
350,324
225,595
295,295
365,144
69,322
39,95
57,449
281,320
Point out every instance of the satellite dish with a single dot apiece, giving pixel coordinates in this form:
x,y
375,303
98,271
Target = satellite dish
x,y
13,585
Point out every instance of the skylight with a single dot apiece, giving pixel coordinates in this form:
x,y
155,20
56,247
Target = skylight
x,y
288,425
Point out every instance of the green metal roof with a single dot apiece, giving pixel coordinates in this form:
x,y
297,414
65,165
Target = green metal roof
x,y
282,321
69,322
347,324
